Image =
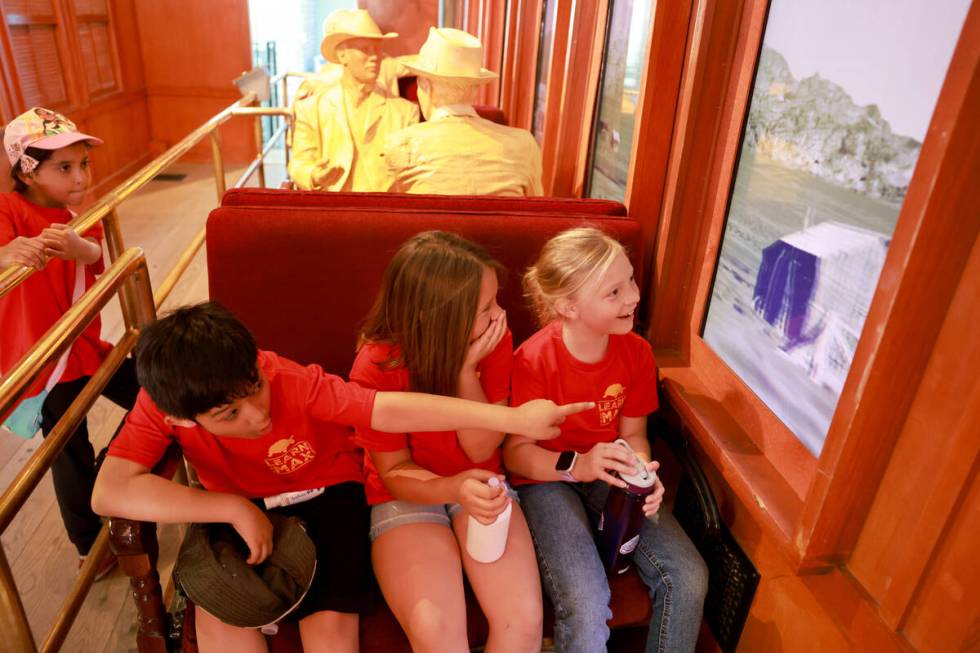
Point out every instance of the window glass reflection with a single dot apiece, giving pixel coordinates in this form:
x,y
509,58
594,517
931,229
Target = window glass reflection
x,y
547,41
619,93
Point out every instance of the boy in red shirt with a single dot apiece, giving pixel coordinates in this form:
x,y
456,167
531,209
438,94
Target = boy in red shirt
x,y
257,426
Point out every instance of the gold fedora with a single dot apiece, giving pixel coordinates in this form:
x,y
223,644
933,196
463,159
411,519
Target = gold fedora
x,y
450,54
346,24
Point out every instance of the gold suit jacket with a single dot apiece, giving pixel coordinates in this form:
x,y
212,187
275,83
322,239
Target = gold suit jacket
x,y
322,146
459,153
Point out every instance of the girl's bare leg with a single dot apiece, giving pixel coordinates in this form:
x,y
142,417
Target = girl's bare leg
x,y
418,569
509,590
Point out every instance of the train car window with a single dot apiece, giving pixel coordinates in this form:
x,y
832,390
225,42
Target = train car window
x,y
547,40
627,39
39,56
839,108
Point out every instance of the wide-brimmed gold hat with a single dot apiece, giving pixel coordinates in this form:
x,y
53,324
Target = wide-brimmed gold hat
x,y
450,54
346,24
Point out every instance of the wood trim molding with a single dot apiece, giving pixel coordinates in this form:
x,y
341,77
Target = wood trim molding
x,y
656,121
583,65
520,62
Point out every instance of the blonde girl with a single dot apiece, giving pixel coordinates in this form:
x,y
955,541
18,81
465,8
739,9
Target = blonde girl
x,y
49,161
584,293
436,327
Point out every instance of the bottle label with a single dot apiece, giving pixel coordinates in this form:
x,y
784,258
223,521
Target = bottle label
x,y
290,498
630,545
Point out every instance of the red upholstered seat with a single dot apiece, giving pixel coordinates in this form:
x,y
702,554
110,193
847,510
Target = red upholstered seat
x,y
408,89
492,113
312,198
303,279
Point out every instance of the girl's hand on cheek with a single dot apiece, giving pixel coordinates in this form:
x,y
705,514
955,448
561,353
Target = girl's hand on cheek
x,y
28,252
487,342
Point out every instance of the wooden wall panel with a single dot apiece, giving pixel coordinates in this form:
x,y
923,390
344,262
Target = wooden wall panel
x,y
945,617
102,88
936,454
191,52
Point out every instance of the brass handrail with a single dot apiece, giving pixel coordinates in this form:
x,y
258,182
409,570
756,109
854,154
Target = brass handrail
x,y
130,266
57,339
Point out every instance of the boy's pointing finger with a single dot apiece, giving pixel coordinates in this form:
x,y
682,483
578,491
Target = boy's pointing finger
x,y
578,407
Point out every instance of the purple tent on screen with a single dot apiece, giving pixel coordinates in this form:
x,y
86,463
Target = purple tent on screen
x,y
827,272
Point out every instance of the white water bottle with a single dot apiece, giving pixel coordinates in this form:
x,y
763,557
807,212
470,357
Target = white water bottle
x,y
486,542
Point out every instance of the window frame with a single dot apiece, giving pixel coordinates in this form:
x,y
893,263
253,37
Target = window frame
x,y
76,20
66,23
812,507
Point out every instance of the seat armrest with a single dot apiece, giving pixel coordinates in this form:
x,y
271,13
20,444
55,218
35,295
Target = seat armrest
x,y
137,548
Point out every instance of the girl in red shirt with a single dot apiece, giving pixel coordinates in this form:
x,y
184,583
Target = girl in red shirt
x,y
50,171
583,290
436,327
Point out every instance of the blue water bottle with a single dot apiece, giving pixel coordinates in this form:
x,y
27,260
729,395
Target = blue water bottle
x,y
618,530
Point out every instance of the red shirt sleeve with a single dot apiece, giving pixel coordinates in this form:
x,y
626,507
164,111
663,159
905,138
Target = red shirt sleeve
x,y
495,370
331,399
144,437
367,372
642,397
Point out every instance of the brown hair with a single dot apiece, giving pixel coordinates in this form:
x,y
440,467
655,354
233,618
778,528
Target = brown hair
x,y
566,262
427,305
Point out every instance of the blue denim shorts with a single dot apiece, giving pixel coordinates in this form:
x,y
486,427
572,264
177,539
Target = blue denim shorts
x,y
393,514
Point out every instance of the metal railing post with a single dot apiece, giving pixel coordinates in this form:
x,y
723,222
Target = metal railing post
x,y
13,620
219,163
258,148
114,243
285,105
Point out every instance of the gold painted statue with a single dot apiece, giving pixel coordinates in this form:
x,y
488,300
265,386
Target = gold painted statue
x,y
340,127
456,152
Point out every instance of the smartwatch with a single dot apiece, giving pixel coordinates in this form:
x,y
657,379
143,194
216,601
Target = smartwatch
x,y
566,461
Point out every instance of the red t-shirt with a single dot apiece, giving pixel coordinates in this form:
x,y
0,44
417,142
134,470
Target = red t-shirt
x,y
438,452
623,383
310,444
30,309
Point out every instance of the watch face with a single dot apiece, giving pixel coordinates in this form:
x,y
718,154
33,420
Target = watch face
x,y
565,461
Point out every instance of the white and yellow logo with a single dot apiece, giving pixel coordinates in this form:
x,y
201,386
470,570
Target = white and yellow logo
x,y
286,456
612,400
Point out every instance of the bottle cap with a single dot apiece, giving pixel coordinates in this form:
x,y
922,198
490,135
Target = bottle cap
x,y
642,477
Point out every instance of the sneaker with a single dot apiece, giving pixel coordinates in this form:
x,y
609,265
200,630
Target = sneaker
x,y
104,567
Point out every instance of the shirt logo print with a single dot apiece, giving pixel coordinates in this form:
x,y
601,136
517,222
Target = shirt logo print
x,y
286,456
612,400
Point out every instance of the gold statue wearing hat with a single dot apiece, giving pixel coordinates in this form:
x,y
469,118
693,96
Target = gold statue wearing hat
x,y
428,157
340,128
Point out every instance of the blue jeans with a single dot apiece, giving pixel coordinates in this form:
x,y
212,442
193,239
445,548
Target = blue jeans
x,y
560,516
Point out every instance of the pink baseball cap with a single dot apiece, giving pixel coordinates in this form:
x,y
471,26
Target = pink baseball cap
x,y
43,129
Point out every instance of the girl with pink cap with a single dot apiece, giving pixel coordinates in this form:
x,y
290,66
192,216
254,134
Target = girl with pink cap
x,y
50,172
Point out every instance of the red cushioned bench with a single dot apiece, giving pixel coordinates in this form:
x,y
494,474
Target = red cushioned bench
x,y
303,275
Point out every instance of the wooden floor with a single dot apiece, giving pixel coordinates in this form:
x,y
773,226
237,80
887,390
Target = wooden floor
x,y
162,219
